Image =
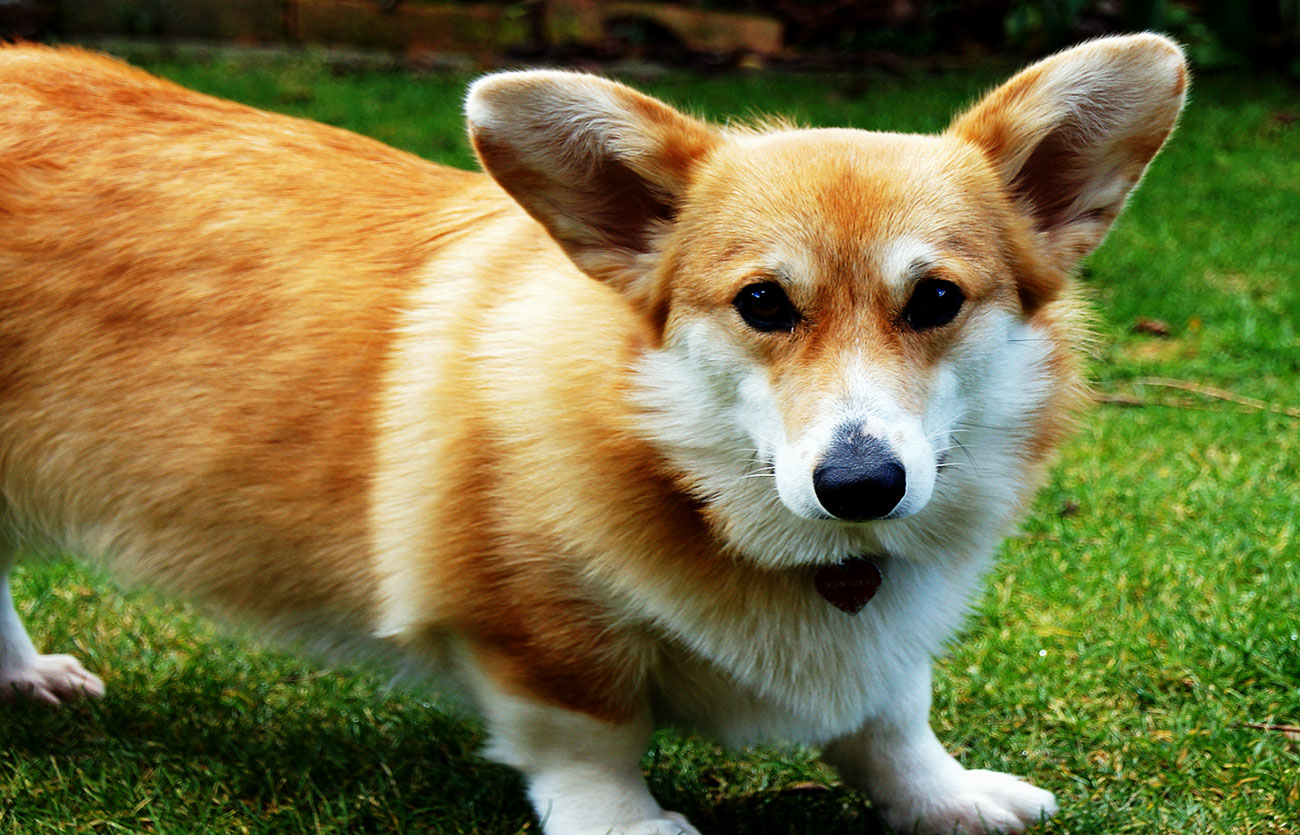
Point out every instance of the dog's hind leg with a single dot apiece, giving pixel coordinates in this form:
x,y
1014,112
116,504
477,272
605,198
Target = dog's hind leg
x,y
26,673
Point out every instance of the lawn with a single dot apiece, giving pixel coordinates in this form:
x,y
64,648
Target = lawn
x,y
1137,651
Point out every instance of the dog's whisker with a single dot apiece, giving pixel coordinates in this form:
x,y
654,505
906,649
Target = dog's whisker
x,y
987,426
951,422
974,466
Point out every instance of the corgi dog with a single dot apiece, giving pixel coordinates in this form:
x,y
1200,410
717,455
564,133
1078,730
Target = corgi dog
x,y
654,422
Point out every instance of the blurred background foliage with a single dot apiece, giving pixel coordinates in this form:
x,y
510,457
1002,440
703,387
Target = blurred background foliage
x,y
1260,34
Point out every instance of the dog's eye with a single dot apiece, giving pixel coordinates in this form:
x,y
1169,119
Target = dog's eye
x,y
934,303
766,307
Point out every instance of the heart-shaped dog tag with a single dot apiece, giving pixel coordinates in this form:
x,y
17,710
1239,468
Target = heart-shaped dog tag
x,y
848,584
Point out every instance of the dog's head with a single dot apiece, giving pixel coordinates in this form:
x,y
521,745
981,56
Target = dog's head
x,y
847,317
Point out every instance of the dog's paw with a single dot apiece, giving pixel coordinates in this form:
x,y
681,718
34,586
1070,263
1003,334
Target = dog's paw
x,y
982,802
53,679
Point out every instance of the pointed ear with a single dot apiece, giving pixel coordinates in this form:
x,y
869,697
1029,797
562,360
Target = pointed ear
x,y
600,165
1071,135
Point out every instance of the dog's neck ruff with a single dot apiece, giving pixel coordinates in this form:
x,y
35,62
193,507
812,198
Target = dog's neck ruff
x,y
849,584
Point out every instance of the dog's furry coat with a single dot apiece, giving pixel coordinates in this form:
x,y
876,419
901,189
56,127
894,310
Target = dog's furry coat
x,y
581,434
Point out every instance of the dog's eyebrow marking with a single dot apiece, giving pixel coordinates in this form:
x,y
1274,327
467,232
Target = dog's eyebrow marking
x,y
790,269
903,260
918,268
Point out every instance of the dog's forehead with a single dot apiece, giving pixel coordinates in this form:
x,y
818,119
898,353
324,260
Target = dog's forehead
x,y
880,200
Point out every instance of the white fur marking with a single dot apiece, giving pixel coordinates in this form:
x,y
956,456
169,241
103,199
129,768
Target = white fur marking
x,y
27,674
582,774
901,260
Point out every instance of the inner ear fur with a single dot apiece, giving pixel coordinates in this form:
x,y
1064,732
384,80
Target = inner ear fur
x,y
1071,136
600,165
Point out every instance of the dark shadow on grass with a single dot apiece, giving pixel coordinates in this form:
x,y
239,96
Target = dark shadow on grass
x,y
280,755
789,811
226,750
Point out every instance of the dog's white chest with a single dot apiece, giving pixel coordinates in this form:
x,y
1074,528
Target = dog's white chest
x,y
827,699
807,672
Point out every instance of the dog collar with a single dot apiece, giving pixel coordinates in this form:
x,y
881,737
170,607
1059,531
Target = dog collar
x,y
848,584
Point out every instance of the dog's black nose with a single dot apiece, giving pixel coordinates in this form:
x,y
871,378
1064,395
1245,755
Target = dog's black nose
x,y
859,479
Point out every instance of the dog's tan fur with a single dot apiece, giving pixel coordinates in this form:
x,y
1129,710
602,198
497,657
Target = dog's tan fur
x,y
305,377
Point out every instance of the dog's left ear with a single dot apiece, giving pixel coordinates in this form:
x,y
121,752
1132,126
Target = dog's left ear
x,y
600,165
1071,135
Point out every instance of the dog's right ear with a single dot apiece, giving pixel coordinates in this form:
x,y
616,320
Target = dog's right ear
x,y
600,165
1071,136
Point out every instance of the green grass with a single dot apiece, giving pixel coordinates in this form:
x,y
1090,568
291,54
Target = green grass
x,y
1146,618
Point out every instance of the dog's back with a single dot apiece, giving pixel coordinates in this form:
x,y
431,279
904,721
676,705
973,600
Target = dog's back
x,y
197,299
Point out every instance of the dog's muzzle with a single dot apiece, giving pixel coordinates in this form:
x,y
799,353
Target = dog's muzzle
x,y
860,478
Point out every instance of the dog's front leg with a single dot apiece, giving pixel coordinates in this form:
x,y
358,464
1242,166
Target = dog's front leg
x,y
582,772
24,672
917,786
